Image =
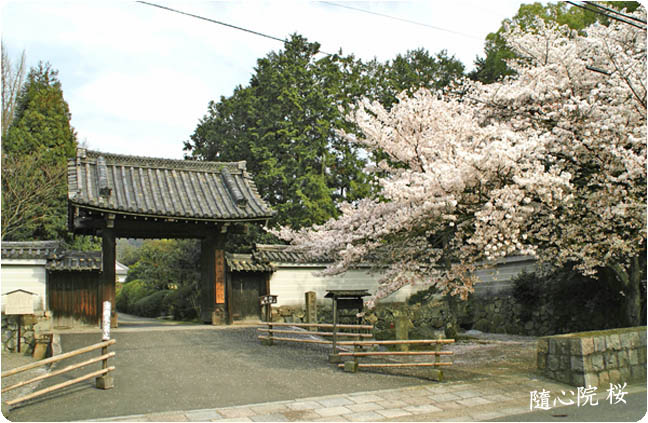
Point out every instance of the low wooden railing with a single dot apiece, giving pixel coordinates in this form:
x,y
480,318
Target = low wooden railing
x,y
104,370
354,364
357,331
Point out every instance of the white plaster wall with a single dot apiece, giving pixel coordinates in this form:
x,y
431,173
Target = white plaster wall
x,y
291,283
29,275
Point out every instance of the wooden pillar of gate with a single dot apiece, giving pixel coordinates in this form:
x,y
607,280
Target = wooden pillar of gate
x,y
212,287
108,277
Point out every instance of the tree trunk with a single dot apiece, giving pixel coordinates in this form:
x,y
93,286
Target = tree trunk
x,y
631,278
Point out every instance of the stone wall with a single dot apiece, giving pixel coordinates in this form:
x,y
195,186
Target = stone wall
x,y
34,330
501,313
595,358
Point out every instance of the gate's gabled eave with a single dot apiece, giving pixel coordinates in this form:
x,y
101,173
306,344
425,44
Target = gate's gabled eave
x,y
172,190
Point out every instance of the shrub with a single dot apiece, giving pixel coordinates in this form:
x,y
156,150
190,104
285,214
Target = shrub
x,y
152,305
182,303
130,293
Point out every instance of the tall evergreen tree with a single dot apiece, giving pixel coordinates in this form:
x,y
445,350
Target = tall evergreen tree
x,y
34,156
283,124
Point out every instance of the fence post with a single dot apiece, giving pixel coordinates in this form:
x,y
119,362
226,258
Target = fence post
x,y
105,381
438,373
334,357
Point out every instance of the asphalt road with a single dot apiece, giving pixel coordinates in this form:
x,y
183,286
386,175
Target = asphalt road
x,y
180,367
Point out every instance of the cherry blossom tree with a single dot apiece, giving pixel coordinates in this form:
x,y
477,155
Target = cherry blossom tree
x,y
550,163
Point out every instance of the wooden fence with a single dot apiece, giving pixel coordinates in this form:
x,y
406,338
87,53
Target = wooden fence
x,y
105,355
354,364
360,333
354,331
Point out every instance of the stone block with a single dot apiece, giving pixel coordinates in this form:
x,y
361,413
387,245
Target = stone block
x,y
613,342
40,351
575,346
611,361
587,345
633,357
543,345
604,379
642,354
626,374
577,363
553,362
351,366
623,359
638,372
105,382
554,346
542,361
642,338
599,344
576,379
598,363
565,363
591,379
615,376
629,340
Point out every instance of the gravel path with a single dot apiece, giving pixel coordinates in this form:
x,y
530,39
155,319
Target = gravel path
x,y
172,367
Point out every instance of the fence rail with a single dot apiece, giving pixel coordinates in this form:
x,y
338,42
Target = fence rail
x,y
102,358
354,364
358,331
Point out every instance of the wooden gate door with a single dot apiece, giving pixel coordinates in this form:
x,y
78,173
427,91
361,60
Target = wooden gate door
x,y
246,290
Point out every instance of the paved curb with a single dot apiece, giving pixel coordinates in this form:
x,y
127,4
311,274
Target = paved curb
x,y
485,399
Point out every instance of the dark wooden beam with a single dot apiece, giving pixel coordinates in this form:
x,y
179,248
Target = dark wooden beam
x,y
131,227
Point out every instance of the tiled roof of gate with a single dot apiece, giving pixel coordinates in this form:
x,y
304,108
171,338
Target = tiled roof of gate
x,y
180,189
246,263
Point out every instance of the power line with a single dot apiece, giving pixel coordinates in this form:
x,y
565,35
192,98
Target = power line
x,y
400,19
220,23
634,18
600,12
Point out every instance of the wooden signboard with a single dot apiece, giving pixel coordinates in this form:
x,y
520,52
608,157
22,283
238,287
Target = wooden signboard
x,y
19,302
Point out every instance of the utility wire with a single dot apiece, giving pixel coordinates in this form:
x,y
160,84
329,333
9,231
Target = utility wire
x,y
634,18
595,10
220,23
399,19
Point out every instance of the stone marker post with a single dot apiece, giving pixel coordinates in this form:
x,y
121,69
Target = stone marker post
x,y
311,307
402,330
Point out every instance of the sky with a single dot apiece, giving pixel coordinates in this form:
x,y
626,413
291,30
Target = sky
x,y
138,78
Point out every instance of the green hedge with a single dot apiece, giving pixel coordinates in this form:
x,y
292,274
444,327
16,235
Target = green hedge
x,y
130,293
137,298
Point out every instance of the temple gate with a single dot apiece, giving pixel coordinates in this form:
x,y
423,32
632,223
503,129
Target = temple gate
x,y
117,196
